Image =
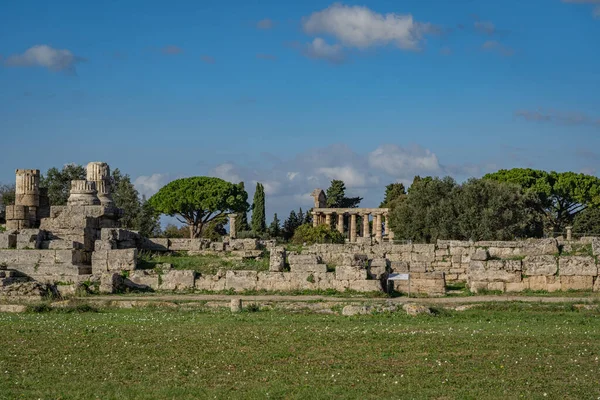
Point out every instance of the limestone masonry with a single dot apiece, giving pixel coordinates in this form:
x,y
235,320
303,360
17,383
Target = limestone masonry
x,y
65,246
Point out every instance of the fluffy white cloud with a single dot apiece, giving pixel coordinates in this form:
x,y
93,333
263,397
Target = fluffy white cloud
x,y
404,162
148,185
350,175
47,57
319,49
360,27
228,172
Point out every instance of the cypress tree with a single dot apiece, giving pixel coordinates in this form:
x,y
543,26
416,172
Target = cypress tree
x,y
275,228
242,220
259,224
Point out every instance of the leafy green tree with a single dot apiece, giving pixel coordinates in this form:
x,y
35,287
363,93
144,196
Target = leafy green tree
x,y
275,227
58,182
290,225
336,196
7,198
199,200
242,219
147,224
394,192
319,234
126,197
215,229
427,213
174,232
587,222
259,223
562,195
491,210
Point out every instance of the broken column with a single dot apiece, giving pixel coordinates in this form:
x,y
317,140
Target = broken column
x,y
232,226
83,193
99,173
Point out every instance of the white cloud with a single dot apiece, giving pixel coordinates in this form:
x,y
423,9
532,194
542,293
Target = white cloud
x,y
360,27
401,162
148,185
46,57
351,176
319,49
226,171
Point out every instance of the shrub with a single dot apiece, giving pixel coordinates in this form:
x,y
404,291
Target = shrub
x,y
320,234
251,235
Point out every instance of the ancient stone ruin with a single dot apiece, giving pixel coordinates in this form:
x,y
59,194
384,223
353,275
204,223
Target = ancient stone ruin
x,y
66,246
322,215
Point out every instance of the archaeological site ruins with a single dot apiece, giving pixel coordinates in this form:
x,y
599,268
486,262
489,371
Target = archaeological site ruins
x,y
61,248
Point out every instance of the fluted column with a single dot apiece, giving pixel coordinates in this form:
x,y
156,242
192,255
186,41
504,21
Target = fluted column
x,y
27,188
99,172
315,219
328,219
366,230
340,223
353,227
377,223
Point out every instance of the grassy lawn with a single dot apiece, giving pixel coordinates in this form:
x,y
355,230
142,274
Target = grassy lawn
x,y
207,264
501,351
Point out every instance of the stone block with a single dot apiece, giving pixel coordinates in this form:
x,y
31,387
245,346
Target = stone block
x,y
424,249
496,286
304,259
307,268
29,238
355,260
244,244
181,244
493,271
177,280
210,282
142,280
577,282
539,247
540,265
416,266
399,266
8,240
118,234
365,285
105,245
69,256
538,282
217,246
350,273
241,280
277,259
577,265
553,283
597,285
596,246
476,286
480,255
516,287
422,257
155,244
377,272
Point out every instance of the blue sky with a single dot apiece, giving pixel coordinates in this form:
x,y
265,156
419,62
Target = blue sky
x,y
294,94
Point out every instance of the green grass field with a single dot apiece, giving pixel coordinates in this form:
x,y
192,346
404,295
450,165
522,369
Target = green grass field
x,y
508,350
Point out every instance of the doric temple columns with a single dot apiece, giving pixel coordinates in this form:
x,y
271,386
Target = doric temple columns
x,y
340,223
353,227
315,219
328,219
377,223
366,231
